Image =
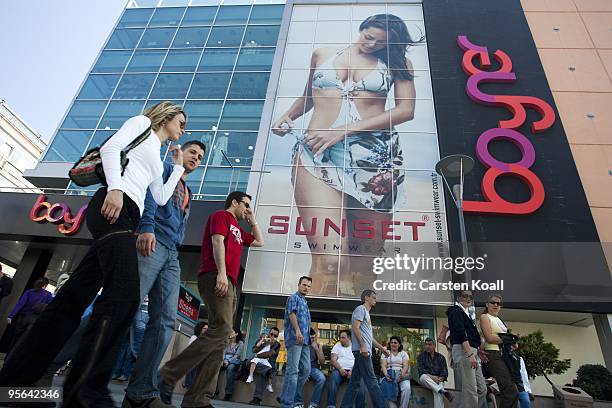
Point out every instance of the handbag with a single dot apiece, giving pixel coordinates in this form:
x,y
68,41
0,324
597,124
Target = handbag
x,y
88,170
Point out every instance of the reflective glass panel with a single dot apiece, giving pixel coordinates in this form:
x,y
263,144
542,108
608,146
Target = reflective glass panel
x,y
68,145
194,179
146,3
225,36
99,137
249,85
146,61
255,59
99,87
135,18
182,60
118,112
152,102
124,38
263,35
209,86
199,16
219,182
84,115
165,17
112,61
167,3
134,86
171,86
203,115
218,59
157,38
191,37
232,15
204,137
240,146
241,115
266,14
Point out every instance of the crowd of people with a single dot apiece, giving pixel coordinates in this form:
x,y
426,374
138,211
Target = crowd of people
x,y
101,324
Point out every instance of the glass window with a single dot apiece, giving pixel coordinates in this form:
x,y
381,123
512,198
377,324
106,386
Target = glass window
x,y
168,3
157,38
112,61
165,17
118,112
220,181
203,115
124,38
135,18
194,179
249,85
84,115
134,86
204,2
152,102
191,37
268,14
99,87
99,137
240,146
263,35
146,61
145,3
225,36
232,15
255,59
241,115
218,59
209,86
199,16
182,60
68,145
171,86
204,137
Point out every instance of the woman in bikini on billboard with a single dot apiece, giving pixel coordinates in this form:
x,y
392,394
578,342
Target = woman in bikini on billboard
x,y
349,157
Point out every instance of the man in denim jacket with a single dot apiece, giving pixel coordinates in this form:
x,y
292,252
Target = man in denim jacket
x,y
162,230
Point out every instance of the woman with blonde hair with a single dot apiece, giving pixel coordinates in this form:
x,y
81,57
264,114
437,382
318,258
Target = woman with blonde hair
x,y
112,217
491,326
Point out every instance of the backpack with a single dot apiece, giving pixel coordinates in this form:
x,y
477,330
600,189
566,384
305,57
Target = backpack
x,y
88,170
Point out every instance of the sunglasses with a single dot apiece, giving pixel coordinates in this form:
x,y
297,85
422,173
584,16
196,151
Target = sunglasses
x,y
272,334
247,205
496,303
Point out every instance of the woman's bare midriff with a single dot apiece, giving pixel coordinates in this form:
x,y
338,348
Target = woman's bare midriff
x,y
327,104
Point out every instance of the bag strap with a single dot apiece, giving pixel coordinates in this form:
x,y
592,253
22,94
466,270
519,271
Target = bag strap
x,y
139,139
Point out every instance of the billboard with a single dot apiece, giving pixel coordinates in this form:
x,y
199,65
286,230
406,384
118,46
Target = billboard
x,y
351,145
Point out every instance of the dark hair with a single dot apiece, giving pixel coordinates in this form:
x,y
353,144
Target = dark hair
x,y
238,334
398,40
40,282
459,293
197,330
313,332
396,338
308,278
194,142
275,328
429,339
347,331
366,293
235,195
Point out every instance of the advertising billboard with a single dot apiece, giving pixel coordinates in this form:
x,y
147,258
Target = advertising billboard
x,y
348,173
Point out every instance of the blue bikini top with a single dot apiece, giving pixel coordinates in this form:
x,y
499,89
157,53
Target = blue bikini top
x,y
378,80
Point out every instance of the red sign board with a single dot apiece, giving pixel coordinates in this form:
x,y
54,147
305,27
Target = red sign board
x,y
188,304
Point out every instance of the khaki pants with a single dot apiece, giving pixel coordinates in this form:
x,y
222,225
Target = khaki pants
x,y
436,390
473,385
507,389
206,352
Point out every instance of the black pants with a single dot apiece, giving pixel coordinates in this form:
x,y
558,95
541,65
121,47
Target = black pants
x,y
23,322
498,370
111,263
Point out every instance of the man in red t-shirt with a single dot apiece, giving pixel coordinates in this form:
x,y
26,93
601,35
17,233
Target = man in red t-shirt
x,y
221,250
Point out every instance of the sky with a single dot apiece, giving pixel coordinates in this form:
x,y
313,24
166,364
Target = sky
x,y
46,49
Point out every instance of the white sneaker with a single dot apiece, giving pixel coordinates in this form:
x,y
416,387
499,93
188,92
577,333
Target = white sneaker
x,y
249,380
269,388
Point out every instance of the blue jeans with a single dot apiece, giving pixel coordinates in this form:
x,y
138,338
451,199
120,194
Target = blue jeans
x,y
524,401
125,360
334,385
160,275
363,369
229,383
296,373
318,378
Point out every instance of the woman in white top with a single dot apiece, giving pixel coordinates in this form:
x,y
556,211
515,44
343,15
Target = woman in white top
x,y
491,325
398,361
112,218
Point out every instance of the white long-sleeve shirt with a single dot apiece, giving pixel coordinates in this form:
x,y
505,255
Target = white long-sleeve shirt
x,y
525,377
145,168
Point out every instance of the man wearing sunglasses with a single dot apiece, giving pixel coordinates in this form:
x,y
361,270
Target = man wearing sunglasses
x,y
266,351
221,250
465,341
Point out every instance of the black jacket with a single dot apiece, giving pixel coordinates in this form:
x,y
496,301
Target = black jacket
x,y
461,327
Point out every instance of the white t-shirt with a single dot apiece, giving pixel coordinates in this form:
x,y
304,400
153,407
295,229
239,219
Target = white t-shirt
x,y
346,359
145,168
394,362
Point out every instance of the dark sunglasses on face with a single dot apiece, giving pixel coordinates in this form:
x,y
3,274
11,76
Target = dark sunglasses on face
x,y
247,205
500,304
272,334
465,296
